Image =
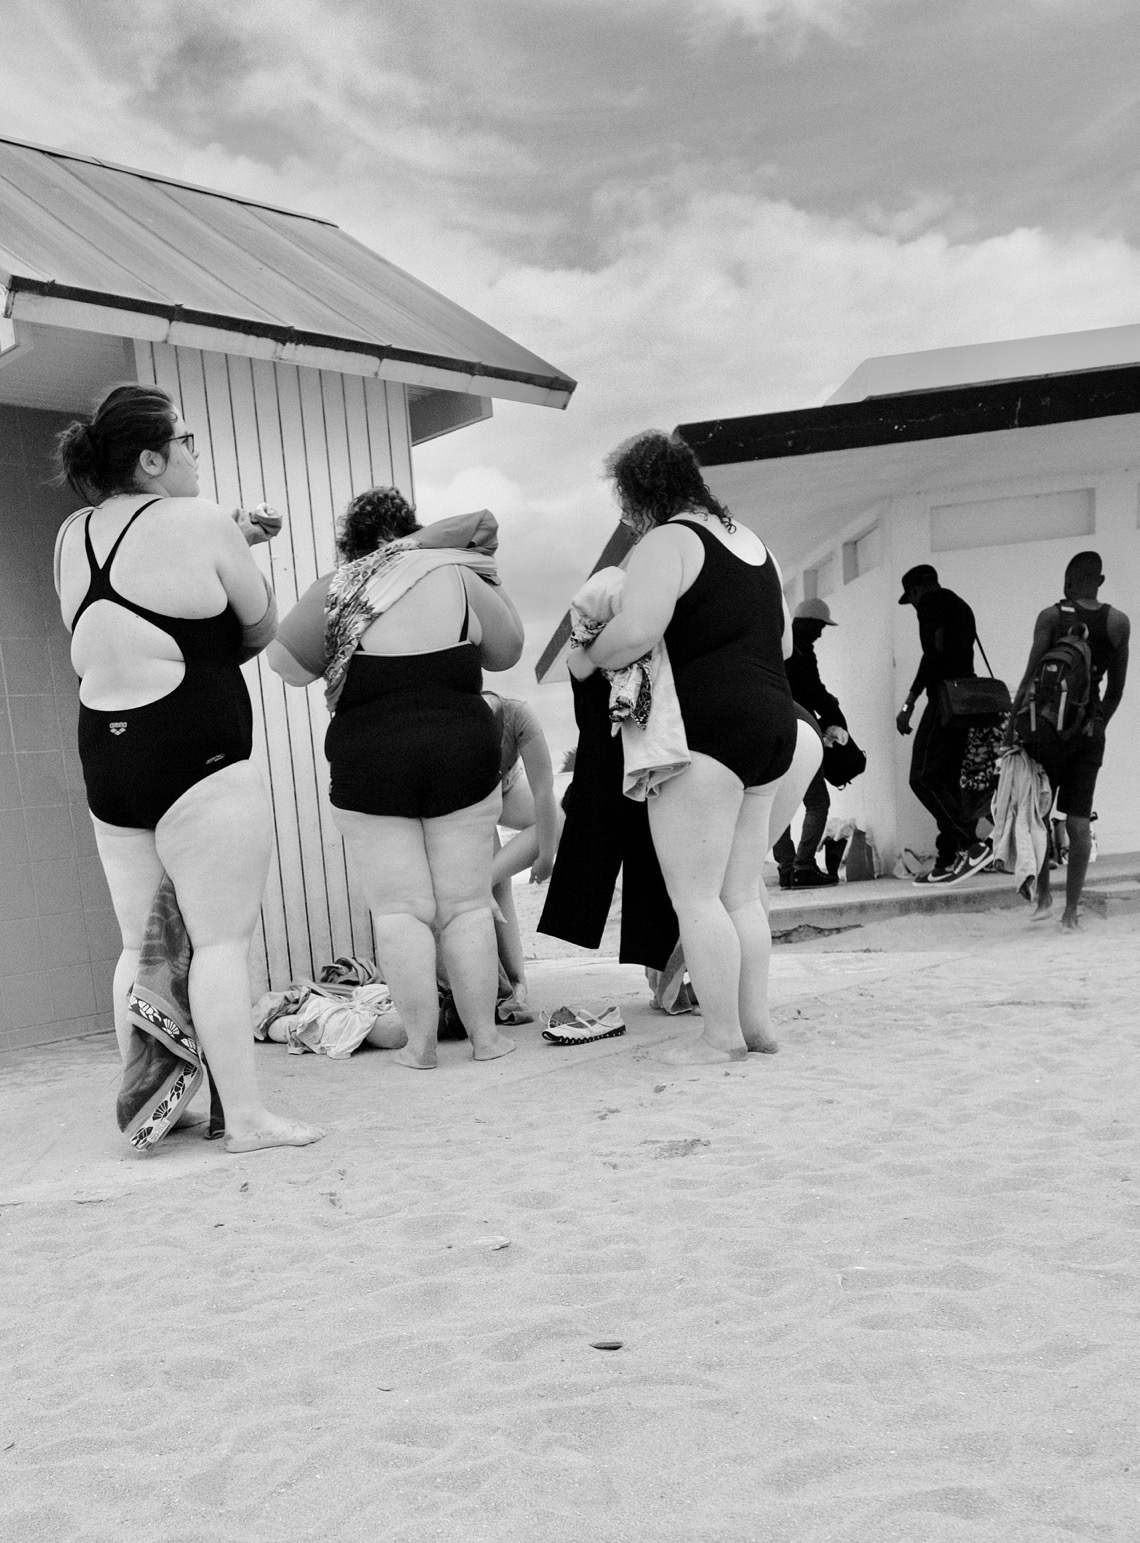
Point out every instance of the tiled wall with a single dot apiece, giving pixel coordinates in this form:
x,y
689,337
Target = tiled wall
x,y
58,936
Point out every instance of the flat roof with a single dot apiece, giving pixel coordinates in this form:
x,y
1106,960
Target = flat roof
x,y
910,416
78,233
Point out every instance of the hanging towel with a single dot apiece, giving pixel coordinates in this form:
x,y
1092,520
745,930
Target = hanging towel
x,y
1020,813
643,696
165,1065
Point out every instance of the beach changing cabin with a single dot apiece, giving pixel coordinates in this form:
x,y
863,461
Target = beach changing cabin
x,y
308,368
996,462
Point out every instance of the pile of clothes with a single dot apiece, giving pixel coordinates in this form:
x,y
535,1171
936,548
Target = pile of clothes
x,y
332,1016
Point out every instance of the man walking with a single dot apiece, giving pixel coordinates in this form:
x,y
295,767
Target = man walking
x,y
798,867
947,633
1072,765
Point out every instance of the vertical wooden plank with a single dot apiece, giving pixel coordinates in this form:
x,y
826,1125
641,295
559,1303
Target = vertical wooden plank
x,y
400,438
271,749
379,432
356,423
305,711
322,506
144,363
190,389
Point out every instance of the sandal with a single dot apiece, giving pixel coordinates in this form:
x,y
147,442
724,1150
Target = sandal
x,y
575,1026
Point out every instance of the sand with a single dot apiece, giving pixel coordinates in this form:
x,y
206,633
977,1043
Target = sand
x,y
880,1288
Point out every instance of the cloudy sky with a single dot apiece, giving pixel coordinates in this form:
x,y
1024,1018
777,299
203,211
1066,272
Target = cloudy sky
x,y
695,207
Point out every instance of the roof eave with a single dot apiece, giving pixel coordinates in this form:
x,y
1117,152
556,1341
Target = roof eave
x,y
43,300
1030,402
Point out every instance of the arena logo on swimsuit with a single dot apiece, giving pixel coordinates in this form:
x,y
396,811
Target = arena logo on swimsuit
x,y
117,728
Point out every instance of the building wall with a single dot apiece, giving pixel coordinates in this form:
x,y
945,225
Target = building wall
x,y
303,441
870,659
58,935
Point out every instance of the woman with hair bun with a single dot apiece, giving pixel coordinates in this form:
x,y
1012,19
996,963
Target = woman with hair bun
x,y
713,593
401,633
164,603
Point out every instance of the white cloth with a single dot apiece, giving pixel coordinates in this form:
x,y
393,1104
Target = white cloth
x,y
1020,811
657,750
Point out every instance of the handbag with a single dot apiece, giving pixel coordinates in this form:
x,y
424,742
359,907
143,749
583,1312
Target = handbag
x,y
843,763
968,697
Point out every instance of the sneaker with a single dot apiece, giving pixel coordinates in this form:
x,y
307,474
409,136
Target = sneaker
x,y
941,873
969,861
811,878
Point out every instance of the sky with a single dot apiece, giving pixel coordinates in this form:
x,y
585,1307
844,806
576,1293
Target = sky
x,y
696,208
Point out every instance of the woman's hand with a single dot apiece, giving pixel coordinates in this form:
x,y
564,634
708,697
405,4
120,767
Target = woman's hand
x,y
261,523
543,868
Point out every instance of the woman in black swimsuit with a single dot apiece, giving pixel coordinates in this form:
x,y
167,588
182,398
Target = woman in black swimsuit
x,y
402,632
713,592
164,602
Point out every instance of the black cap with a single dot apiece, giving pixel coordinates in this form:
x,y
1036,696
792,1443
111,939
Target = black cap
x,y
923,574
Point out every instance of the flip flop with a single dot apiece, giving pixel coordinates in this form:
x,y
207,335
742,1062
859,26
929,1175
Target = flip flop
x,y
575,1026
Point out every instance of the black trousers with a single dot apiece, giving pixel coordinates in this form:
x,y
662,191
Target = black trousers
x,y
935,773
817,803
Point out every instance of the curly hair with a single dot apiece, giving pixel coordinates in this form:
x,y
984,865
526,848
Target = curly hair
x,y
101,457
656,476
371,520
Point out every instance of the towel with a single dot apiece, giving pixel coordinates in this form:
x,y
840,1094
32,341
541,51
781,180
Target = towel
x,y
643,697
1020,814
165,1066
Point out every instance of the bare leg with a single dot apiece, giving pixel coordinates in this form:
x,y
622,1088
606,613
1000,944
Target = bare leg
x,y
133,871
389,859
693,821
459,849
1044,907
743,899
507,935
1079,830
215,844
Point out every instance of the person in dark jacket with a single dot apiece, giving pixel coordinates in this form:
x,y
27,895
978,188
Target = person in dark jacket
x,y
797,864
947,632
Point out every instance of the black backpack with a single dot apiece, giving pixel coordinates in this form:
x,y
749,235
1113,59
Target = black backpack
x,y
1055,706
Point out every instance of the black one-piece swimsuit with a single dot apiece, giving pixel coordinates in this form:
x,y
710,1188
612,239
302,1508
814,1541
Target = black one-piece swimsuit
x,y
138,761
724,644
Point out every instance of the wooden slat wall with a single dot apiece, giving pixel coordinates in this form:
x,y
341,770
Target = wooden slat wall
x,y
304,441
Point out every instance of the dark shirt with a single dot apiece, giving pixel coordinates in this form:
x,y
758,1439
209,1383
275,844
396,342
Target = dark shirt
x,y
808,689
941,609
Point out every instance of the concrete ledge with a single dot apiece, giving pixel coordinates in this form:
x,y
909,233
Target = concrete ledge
x,y
1112,888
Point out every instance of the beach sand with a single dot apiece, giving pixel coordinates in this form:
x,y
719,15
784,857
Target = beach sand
x,y
880,1288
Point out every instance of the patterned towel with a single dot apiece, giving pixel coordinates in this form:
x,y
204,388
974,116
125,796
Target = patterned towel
x,y
165,1065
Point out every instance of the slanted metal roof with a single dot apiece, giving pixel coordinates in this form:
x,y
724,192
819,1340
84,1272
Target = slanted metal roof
x,y
82,233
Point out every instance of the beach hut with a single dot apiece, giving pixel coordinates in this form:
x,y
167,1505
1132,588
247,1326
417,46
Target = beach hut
x,y
308,367
995,462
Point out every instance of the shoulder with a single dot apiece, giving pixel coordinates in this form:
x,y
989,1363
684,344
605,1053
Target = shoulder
x,y
665,545
1119,627
205,520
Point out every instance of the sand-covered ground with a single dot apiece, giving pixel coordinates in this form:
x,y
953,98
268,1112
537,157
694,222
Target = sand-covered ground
x,y
880,1288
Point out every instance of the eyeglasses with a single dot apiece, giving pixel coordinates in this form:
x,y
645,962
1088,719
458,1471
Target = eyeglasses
x,y
183,439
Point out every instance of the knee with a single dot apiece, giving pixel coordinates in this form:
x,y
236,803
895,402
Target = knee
x,y
739,897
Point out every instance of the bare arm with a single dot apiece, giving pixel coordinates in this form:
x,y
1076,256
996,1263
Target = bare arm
x,y
282,663
501,644
247,589
540,774
1118,668
654,579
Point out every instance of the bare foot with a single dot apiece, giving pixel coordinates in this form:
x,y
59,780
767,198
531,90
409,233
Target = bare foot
x,y
489,1047
1043,911
699,1052
274,1130
1071,922
419,1060
762,1043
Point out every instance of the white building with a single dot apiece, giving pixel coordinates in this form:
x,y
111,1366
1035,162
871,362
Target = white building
x,y
996,463
308,368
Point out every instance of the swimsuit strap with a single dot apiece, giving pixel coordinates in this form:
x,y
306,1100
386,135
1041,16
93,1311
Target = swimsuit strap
x,y
105,570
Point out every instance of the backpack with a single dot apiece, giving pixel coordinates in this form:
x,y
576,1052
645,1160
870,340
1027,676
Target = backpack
x,y
1055,706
